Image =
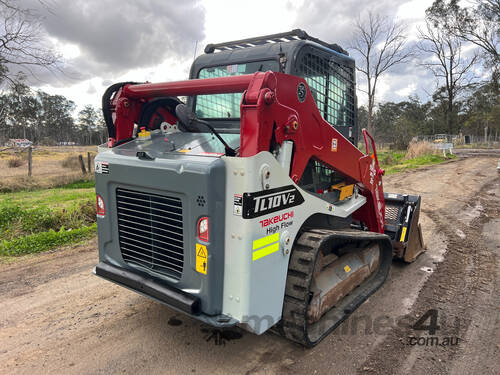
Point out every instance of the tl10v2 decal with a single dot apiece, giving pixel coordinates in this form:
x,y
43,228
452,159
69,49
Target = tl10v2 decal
x,y
265,202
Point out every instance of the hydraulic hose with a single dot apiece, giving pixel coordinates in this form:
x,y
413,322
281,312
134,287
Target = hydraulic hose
x,y
106,110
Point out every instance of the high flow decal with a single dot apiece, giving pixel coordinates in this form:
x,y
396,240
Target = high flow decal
x,y
275,223
267,201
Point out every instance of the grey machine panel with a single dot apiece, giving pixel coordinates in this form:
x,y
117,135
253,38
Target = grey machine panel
x,y
182,172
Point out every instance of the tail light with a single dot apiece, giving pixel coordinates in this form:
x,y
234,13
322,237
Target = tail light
x,y
100,209
203,229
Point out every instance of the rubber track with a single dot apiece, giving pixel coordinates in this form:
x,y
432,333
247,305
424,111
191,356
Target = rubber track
x,y
300,270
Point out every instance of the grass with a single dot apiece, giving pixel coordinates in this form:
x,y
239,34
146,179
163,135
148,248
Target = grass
x,y
61,197
37,242
15,162
82,184
422,148
54,207
396,161
34,221
47,167
16,221
71,162
25,183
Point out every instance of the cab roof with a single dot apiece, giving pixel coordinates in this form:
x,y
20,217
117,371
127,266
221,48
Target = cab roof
x,y
267,47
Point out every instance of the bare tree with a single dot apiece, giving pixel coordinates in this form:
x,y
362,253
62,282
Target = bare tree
x,y
381,44
446,61
483,29
478,24
23,48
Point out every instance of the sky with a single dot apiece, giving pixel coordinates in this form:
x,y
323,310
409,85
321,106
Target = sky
x,y
106,41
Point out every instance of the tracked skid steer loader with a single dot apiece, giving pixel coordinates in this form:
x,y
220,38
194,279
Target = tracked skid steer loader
x,y
240,197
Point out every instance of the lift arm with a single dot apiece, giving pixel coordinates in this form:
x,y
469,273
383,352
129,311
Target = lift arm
x,y
275,107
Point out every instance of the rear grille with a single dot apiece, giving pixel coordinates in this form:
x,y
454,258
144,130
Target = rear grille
x,y
150,231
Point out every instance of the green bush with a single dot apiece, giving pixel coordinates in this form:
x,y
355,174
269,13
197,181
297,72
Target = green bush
x,y
40,219
9,214
87,211
84,213
388,158
15,221
83,184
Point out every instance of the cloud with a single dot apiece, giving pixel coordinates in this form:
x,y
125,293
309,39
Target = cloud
x,y
115,36
91,90
334,23
105,41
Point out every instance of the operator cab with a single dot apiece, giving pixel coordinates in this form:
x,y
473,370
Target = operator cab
x,y
327,68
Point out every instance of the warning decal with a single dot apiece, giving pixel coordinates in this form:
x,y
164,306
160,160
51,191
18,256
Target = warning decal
x,y
403,235
101,167
334,144
238,204
201,258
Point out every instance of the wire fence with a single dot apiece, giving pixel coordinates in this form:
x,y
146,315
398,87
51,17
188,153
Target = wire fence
x,y
21,162
32,167
490,140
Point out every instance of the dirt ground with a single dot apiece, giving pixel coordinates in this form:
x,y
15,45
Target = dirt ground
x,y
56,317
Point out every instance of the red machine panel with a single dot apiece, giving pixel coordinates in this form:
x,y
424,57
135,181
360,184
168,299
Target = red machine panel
x,y
275,107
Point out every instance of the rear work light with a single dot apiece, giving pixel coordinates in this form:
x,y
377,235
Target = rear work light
x,y
203,229
101,210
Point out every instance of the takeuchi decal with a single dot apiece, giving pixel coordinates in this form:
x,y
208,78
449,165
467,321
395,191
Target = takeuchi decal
x,y
265,202
276,219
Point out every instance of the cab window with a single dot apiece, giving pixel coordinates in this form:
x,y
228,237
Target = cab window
x,y
227,106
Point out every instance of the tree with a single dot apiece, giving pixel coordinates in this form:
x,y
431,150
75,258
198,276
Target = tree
x,y
55,116
19,111
47,119
479,25
91,125
447,63
398,123
482,109
23,48
362,121
381,44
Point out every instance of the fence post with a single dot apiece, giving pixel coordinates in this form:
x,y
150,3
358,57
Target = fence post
x,y
89,166
30,160
82,164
